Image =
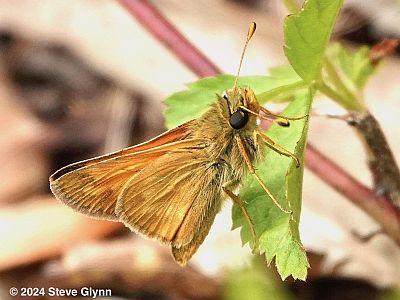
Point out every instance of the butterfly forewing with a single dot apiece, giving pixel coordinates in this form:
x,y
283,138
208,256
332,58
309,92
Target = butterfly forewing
x,y
94,189
92,186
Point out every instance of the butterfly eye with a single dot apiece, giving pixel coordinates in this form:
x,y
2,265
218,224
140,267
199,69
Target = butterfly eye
x,y
238,119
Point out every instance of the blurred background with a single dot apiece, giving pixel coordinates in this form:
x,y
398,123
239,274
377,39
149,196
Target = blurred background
x,y
82,78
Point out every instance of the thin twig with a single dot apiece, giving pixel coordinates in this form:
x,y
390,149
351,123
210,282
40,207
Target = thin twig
x,y
379,208
381,162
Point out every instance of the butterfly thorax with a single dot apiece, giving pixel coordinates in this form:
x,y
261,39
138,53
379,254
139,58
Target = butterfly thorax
x,y
223,153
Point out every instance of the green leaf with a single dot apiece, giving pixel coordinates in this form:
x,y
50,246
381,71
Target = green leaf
x,y
284,71
279,232
283,93
355,66
186,105
345,75
307,34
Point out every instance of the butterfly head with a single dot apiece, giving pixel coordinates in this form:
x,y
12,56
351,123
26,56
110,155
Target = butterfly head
x,y
242,106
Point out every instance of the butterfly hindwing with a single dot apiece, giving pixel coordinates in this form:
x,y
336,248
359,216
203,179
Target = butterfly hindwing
x,y
170,198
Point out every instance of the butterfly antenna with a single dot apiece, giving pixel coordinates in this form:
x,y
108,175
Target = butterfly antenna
x,y
252,29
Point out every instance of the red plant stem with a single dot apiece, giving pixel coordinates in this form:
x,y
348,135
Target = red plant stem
x,y
378,208
166,33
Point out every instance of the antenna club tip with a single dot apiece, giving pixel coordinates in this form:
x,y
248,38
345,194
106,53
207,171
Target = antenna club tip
x,y
252,29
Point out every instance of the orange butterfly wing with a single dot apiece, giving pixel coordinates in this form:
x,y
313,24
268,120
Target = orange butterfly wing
x,y
174,200
93,186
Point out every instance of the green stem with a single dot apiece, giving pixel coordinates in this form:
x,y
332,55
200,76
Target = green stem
x,y
291,6
343,101
347,99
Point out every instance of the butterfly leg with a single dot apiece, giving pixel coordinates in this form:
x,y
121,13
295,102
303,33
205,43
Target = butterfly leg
x,y
236,199
246,157
276,147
